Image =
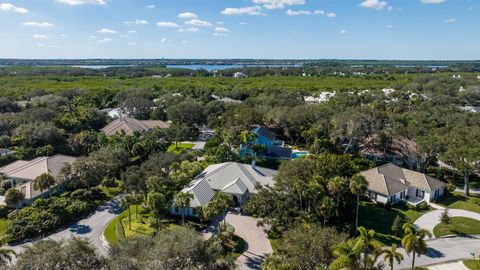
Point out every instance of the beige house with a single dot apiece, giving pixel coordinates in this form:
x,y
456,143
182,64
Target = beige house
x,y
23,173
129,125
390,184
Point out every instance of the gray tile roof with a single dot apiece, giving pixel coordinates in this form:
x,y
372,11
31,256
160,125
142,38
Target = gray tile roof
x,y
130,125
229,177
390,179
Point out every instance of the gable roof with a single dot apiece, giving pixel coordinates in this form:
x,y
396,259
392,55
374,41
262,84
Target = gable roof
x,y
29,170
130,125
228,177
390,179
265,132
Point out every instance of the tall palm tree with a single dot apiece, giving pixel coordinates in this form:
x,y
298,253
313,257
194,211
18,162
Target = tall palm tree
x,y
136,200
247,136
414,241
347,256
156,202
125,203
369,246
299,187
391,255
182,200
223,202
358,186
6,256
43,182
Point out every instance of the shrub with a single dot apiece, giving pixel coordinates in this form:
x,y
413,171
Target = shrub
x,y
422,206
397,225
445,217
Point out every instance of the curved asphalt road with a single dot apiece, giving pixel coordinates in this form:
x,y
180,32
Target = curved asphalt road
x,y
442,250
91,227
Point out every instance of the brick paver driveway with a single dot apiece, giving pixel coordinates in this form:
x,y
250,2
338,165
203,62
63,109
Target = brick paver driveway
x,y
257,243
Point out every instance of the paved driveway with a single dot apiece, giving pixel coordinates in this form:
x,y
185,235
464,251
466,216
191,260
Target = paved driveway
x,y
258,246
443,250
449,266
91,228
432,219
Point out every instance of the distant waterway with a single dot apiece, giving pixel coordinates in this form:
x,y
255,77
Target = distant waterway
x,y
223,67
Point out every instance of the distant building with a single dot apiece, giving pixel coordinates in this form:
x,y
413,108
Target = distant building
x,y
129,125
470,109
23,173
240,75
235,179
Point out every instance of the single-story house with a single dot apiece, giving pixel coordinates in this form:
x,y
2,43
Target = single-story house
x,y
390,184
23,173
400,151
235,179
129,125
274,149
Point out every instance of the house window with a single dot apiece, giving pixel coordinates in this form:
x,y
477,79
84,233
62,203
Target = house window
x,y
402,195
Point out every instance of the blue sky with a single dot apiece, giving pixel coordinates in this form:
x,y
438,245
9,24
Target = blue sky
x,y
314,29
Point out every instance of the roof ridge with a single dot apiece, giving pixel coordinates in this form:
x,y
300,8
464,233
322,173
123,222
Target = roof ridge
x,y
247,173
29,164
225,164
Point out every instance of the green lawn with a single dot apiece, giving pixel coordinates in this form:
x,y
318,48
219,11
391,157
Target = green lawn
x,y
458,225
458,201
139,225
179,148
380,219
472,264
3,227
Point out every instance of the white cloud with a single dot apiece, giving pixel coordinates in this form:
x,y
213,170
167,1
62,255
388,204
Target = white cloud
x,y
38,24
105,40
389,26
222,29
92,37
187,15
331,15
220,23
83,2
184,42
243,23
132,32
197,22
220,34
151,6
164,40
319,12
137,22
167,24
255,10
451,20
297,12
12,8
343,32
433,1
278,4
40,36
106,31
131,43
191,29
374,4
63,35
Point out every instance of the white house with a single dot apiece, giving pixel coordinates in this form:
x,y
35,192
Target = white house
x,y
390,184
23,173
235,179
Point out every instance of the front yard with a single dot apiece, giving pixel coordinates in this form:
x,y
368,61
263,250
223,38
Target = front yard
x,y
380,219
458,225
458,201
179,148
472,264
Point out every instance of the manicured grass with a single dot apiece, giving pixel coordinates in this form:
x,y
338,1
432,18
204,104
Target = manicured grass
x,y
139,225
4,223
458,201
380,219
179,148
472,264
458,225
112,191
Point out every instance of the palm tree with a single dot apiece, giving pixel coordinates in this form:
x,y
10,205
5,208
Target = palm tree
x,y
414,240
44,181
369,246
125,203
347,256
156,202
299,187
136,200
6,256
247,136
390,255
14,197
182,200
358,186
223,202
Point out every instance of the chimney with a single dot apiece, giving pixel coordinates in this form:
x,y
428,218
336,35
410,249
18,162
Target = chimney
x,y
254,165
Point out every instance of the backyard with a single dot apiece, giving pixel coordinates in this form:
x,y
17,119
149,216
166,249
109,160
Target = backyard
x,y
179,148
